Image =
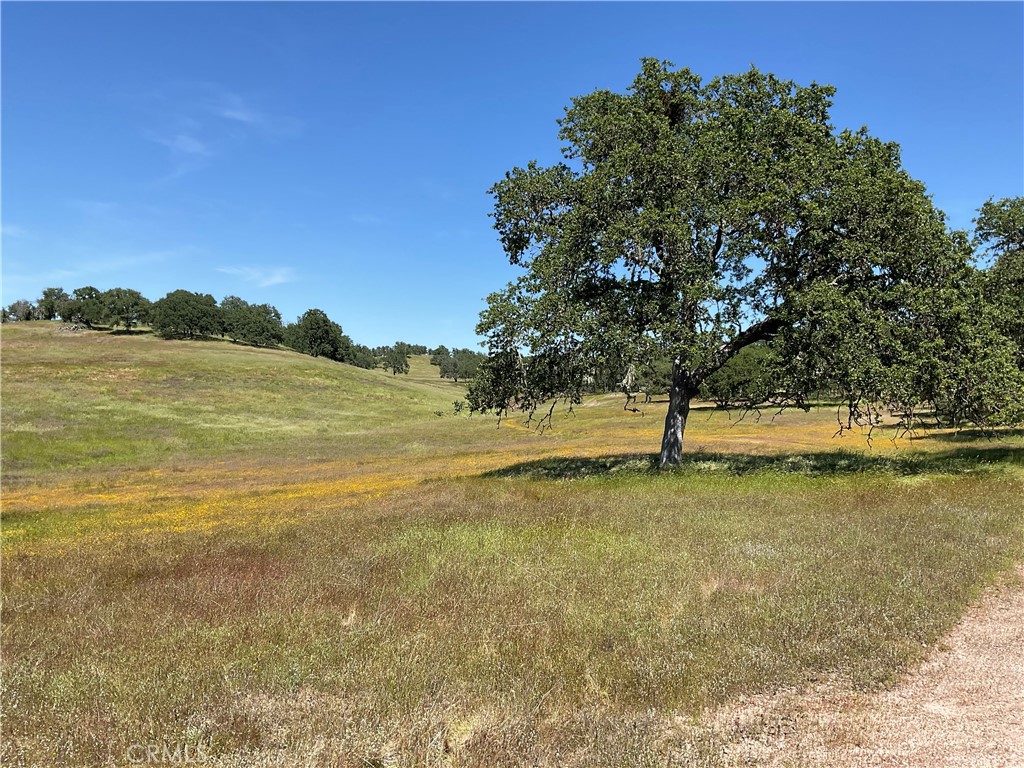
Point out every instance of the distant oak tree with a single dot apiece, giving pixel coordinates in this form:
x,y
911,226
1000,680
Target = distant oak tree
x,y
317,335
186,314
21,310
125,307
50,303
456,363
396,358
258,324
86,306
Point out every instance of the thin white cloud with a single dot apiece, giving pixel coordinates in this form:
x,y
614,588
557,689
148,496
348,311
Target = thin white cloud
x,y
233,107
105,214
12,230
88,267
44,277
437,189
188,145
242,116
197,122
264,277
187,153
182,144
133,259
95,208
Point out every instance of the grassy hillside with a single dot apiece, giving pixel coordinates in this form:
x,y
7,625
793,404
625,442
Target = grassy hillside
x,y
287,561
87,399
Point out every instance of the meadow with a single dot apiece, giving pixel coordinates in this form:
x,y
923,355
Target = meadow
x,y
261,558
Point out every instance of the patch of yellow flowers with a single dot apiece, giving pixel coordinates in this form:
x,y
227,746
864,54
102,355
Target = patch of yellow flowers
x,y
222,494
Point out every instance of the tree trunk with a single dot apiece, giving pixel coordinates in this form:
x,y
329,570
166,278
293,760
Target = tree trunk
x,y
675,419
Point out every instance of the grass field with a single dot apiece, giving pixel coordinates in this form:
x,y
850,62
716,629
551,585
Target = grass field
x,y
269,559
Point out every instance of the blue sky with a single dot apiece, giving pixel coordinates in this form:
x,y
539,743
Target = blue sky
x,y
337,155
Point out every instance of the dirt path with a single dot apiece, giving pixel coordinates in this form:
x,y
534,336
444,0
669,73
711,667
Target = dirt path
x,y
964,707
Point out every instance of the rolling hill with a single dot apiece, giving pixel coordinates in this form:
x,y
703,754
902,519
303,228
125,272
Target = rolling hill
x,y
262,556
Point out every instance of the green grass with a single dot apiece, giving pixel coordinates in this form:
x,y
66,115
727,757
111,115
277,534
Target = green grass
x,y
434,591
92,400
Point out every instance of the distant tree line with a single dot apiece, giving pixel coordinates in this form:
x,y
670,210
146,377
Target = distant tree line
x,y
186,315
456,364
741,381
117,307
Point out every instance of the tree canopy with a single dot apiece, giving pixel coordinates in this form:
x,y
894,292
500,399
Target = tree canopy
x,y
21,310
186,314
50,302
395,358
1000,229
258,324
86,306
693,219
316,334
456,363
125,307
741,382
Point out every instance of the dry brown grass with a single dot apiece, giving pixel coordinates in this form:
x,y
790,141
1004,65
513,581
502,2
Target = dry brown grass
x,y
962,708
434,591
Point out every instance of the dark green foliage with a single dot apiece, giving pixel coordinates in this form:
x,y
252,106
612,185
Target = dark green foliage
x,y
613,374
968,370
187,315
22,310
395,358
457,364
361,356
1000,225
50,303
931,349
68,309
447,368
316,334
506,378
439,355
691,220
1000,228
465,363
183,314
125,307
258,324
85,306
741,382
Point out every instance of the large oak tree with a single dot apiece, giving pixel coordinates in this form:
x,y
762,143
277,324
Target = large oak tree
x,y
693,219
